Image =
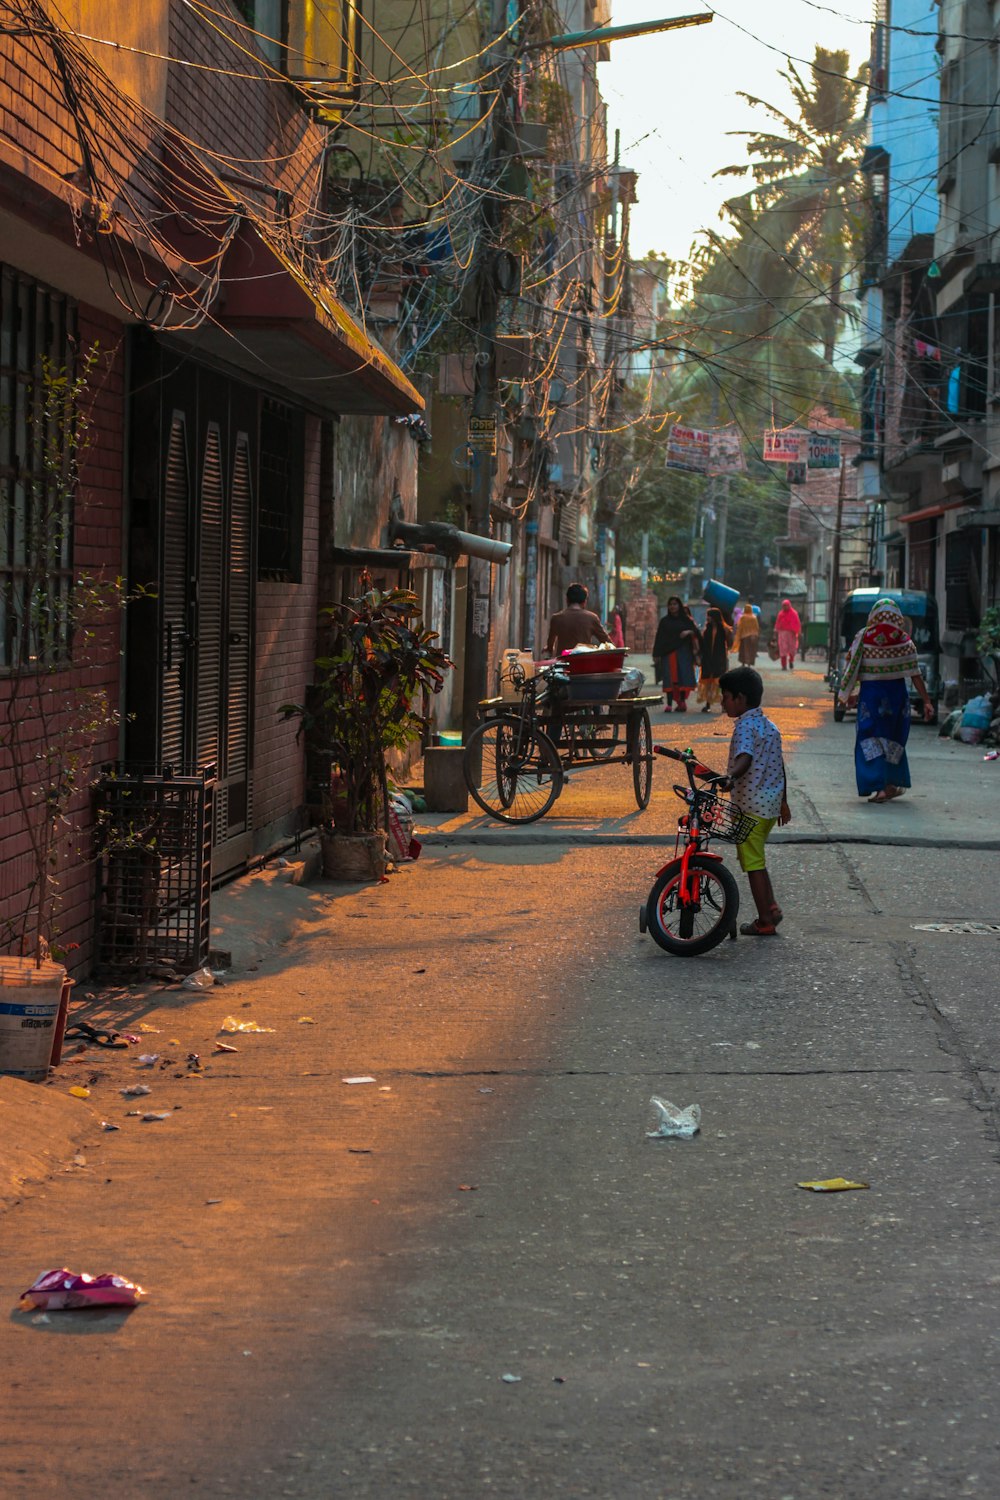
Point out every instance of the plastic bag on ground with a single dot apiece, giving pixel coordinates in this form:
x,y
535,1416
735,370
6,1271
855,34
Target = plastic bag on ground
x,y
232,1026
664,1121
55,1290
201,979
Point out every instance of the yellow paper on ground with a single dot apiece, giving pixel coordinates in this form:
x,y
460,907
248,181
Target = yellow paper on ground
x,y
832,1185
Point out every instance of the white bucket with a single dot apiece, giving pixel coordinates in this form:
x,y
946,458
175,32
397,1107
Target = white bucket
x,y
29,1008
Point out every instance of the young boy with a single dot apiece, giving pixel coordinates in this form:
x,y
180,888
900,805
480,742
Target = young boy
x,y
755,776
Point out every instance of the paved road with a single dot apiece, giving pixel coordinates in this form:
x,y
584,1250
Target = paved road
x,y
682,1321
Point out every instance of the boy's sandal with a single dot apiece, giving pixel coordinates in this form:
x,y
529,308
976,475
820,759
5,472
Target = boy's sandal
x,y
777,915
755,929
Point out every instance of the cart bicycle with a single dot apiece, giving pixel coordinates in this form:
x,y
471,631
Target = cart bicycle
x,y
517,761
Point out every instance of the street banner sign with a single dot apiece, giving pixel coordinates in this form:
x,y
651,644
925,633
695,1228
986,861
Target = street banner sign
x,y
688,449
824,450
726,452
784,447
698,450
483,433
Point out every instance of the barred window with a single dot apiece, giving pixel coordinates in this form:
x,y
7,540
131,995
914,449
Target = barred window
x,y
37,470
279,525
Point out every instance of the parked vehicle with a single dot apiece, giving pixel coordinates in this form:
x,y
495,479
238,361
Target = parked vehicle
x,y
921,614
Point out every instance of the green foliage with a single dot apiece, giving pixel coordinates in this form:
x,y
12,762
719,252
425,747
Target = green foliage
x,y
988,640
378,661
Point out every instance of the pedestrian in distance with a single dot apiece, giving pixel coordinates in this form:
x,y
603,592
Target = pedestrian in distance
x,y
747,637
788,627
616,628
716,638
755,776
674,651
576,625
881,659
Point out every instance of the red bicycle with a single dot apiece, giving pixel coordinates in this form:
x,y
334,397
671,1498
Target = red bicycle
x,y
695,900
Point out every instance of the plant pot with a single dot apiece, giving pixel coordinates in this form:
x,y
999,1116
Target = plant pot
x,y
30,998
353,856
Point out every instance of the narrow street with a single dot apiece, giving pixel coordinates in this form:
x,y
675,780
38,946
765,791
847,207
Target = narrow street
x,y
341,1275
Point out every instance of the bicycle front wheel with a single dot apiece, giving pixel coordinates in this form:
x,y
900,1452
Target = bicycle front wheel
x,y
687,928
513,773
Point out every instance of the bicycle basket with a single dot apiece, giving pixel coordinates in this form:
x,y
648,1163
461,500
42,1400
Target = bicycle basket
x,y
724,821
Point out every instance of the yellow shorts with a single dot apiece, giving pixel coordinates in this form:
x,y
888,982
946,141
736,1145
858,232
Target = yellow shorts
x,y
751,851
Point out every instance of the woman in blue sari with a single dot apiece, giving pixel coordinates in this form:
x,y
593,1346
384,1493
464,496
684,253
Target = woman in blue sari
x,y
881,660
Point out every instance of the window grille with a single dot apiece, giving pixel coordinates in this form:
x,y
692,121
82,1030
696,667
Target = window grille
x,y
37,452
279,526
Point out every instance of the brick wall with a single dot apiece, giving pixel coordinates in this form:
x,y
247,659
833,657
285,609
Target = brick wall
x,y
286,647
97,550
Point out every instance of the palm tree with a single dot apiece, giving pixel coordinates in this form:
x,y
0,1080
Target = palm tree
x,y
807,202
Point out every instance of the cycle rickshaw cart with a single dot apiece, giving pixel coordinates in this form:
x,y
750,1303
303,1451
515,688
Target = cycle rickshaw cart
x,y
519,757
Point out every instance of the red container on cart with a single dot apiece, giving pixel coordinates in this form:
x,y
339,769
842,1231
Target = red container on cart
x,y
592,662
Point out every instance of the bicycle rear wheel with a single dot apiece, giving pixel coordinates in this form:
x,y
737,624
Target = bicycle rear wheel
x,y
511,771
687,928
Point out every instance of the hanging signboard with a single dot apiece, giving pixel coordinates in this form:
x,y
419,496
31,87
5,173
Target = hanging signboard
x,y
483,433
688,449
824,450
785,447
797,474
726,452
696,450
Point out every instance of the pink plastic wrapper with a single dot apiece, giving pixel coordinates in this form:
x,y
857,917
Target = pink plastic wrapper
x,y
67,1289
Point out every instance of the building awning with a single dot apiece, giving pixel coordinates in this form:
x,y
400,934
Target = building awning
x,y
269,322
977,518
928,512
394,558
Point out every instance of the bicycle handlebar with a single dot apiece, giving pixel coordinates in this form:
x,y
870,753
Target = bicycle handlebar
x,y
694,767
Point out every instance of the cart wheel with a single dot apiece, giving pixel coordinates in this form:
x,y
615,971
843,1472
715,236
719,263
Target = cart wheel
x,y
603,737
838,713
642,919
512,772
641,750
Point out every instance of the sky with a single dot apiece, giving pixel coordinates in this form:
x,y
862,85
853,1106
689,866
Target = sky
x,y
673,96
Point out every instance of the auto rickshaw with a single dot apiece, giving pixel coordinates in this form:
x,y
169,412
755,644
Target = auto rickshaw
x,y
921,614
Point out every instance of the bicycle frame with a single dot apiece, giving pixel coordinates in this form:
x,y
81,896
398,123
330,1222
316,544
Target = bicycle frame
x,y
696,836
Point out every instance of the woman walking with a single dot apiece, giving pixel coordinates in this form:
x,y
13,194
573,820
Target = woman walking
x,y
789,628
881,659
616,628
747,637
716,639
673,654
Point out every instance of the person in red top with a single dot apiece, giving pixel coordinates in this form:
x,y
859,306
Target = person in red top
x,y
576,625
788,627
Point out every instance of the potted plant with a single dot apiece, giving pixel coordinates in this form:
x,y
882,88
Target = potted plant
x,y
378,663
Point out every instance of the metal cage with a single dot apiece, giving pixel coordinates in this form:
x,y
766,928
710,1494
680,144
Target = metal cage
x,y
154,863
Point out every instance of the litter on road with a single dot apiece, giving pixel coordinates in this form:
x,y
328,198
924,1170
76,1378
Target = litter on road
x,y
135,1091
665,1121
832,1185
165,1115
79,1092
232,1026
56,1290
361,1078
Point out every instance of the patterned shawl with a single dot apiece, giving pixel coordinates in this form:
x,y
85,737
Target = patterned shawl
x,y
882,649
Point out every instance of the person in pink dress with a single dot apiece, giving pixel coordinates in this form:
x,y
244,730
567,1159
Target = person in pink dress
x,y
788,627
615,628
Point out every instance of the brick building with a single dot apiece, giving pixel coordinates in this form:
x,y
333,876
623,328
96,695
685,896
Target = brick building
x,y
163,197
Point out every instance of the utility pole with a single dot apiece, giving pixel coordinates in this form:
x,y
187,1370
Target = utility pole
x,y
485,398
721,526
833,609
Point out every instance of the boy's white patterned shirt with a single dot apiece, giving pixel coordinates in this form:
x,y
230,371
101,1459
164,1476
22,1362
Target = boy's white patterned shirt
x,y
760,791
